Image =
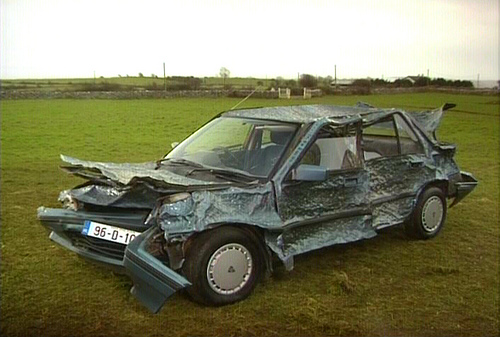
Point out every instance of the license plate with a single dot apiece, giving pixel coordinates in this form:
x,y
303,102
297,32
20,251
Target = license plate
x,y
109,233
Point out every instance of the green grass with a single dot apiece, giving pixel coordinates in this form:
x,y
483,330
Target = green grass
x,y
389,285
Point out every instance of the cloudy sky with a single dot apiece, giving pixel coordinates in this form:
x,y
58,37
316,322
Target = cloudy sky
x,y
456,39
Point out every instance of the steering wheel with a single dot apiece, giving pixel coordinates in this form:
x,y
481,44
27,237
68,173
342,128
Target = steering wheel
x,y
230,157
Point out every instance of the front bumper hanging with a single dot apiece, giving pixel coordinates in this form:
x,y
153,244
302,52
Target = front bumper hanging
x,y
154,282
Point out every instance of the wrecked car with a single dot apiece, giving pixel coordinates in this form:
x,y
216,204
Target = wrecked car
x,y
253,185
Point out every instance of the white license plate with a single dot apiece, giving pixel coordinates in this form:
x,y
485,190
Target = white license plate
x,y
107,232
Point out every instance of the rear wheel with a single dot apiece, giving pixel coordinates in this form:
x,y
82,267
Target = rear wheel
x,y
223,266
429,214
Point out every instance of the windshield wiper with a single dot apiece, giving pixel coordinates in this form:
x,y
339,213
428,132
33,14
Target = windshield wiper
x,y
230,175
226,174
178,161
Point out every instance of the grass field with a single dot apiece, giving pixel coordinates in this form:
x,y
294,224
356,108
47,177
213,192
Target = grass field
x,y
386,286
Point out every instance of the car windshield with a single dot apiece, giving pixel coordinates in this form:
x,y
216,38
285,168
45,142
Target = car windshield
x,y
248,146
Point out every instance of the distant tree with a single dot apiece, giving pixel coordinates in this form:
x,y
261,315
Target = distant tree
x,y
154,76
290,83
224,73
119,75
327,80
362,83
440,82
260,83
422,81
463,84
141,75
308,81
402,83
362,86
379,82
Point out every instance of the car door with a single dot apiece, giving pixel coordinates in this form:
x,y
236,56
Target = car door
x,y
329,207
398,167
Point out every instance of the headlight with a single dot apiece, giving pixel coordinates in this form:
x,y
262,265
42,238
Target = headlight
x,y
180,204
68,202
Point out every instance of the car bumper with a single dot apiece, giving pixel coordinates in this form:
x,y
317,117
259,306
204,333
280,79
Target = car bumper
x,y
66,227
467,184
154,282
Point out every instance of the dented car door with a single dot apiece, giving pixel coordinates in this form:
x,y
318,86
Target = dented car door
x,y
324,199
399,167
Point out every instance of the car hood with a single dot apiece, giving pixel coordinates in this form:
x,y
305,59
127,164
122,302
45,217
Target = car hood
x,y
128,185
130,173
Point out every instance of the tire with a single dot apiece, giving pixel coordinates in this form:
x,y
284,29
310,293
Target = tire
x,y
223,266
429,214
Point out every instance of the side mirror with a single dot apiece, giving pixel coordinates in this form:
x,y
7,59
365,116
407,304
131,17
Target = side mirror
x,y
174,144
309,173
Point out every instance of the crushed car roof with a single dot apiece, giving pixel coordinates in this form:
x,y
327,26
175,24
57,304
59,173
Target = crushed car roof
x,y
312,113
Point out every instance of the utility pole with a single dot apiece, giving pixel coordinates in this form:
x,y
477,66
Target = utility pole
x,y
477,86
335,76
428,79
164,78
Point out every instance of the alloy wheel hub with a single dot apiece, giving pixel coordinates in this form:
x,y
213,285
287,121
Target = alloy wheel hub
x,y
432,214
229,268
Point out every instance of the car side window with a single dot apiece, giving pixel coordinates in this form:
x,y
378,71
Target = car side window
x,y
334,148
390,137
380,140
407,138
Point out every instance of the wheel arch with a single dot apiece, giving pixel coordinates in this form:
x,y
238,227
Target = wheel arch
x,y
439,183
413,224
254,232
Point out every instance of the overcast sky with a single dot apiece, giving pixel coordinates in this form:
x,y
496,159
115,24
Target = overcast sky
x,y
392,38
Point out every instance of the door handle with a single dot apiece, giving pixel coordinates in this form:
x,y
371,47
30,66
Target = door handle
x,y
415,163
349,182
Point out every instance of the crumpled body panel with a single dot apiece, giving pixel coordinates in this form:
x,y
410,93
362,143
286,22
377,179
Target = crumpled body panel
x,y
103,195
127,173
385,183
234,205
428,120
392,212
312,200
301,239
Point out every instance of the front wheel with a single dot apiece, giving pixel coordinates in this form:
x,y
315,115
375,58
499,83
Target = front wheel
x,y
429,214
223,266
